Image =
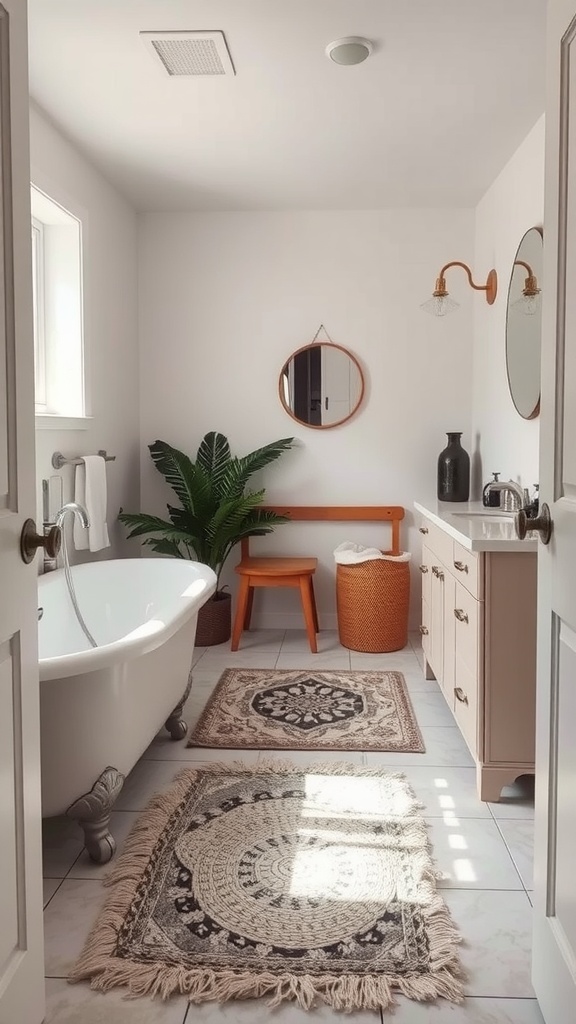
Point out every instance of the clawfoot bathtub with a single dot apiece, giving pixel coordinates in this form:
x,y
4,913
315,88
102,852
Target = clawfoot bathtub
x,y
101,707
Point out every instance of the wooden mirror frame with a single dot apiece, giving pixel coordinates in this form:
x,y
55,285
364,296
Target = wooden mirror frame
x,y
535,411
322,426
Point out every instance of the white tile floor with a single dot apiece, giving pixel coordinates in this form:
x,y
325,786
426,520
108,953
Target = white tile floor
x,y
484,852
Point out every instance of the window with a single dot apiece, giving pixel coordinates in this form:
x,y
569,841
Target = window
x,y
57,309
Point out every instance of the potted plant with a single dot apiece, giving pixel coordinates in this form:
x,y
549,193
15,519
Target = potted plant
x,y
214,513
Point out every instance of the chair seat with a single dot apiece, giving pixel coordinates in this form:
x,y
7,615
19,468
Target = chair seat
x,y
276,572
255,566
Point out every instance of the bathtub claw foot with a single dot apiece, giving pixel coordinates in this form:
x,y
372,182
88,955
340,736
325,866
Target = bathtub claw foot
x,y
99,840
92,812
175,724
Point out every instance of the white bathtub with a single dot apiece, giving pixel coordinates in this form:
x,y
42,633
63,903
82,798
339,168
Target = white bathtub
x,y
101,707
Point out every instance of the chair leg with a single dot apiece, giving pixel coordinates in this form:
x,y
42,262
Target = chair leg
x,y
308,610
243,598
248,615
314,609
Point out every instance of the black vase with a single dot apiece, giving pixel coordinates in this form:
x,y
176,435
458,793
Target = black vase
x,y
454,471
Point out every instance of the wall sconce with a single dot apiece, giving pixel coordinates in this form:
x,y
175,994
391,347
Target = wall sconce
x,y
441,304
529,302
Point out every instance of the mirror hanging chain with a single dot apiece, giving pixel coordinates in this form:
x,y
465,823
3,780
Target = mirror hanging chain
x,y
321,328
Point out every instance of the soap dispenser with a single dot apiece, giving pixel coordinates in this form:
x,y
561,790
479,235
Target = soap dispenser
x,y
491,499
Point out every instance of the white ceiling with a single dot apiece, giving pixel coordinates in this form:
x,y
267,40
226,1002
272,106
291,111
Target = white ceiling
x,y
428,120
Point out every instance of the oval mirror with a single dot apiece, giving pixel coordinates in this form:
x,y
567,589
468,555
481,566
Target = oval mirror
x,y
321,385
524,325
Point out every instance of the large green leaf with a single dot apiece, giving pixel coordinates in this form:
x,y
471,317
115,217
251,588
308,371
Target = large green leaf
x,y
141,524
188,481
239,470
213,456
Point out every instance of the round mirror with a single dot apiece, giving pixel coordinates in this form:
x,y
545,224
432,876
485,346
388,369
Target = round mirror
x,y
524,325
321,385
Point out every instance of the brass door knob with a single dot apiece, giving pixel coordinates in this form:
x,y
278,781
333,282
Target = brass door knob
x,y
542,524
30,541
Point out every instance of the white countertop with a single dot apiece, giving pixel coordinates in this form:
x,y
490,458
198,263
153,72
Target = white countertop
x,y
490,531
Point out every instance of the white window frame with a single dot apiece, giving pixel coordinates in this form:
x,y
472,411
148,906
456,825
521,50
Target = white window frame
x,y
53,210
39,314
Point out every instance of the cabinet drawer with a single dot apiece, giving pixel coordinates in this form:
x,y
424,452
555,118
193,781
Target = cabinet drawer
x,y
425,629
439,543
426,572
466,568
467,612
466,705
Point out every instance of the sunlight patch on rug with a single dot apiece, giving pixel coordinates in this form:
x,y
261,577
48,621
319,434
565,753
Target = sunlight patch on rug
x,y
308,884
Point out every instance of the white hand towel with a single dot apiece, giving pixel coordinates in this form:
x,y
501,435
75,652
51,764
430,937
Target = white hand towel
x,y
90,491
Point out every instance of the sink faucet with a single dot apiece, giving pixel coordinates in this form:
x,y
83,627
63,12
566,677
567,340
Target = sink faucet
x,y
514,496
75,509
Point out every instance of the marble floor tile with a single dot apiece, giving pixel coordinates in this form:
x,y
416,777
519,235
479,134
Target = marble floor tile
x,y
519,838
322,660
121,824
416,683
472,1011
296,642
431,709
255,1011
447,792
244,658
471,854
256,640
401,661
78,1004
311,757
62,842
496,927
145,780
517,800
444,746
49,887
198,654
68,919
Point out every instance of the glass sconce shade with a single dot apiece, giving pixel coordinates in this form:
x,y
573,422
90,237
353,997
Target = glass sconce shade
x,y
528,305
440,305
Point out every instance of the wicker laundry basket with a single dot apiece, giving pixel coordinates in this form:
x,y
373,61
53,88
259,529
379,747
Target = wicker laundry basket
x,y
372,600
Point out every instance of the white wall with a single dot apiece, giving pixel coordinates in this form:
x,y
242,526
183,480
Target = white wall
x,y
515,202
111,321
224,300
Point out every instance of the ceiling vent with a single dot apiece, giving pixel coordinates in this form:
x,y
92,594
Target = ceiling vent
x,y
183,54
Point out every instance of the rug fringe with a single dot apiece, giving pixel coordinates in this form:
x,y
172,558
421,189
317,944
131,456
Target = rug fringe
x,y
98,964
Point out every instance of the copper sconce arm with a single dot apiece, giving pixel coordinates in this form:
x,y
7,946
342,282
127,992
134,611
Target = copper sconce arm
x,y
531,282
491,286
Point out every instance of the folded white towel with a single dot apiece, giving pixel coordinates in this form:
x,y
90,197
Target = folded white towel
x,y
352,554
90,491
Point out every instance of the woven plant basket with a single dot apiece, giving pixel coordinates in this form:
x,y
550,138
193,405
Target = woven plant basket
x,y
214,621
372,601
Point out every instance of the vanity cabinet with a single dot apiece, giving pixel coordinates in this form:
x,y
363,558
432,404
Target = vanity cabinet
x,y
479,641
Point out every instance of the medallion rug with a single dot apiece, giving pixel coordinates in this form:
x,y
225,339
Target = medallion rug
x,y
312,884
276,709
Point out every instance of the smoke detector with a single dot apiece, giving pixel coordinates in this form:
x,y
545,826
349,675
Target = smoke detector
x,y
185,54
350,50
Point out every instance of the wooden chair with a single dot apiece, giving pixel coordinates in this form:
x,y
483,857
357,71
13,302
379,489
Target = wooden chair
x,y
256,571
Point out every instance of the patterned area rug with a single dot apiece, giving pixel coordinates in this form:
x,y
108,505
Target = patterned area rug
x,y
310,884
274,709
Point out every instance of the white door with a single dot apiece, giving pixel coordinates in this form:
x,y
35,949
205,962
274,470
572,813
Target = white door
x,y
554,956
21,948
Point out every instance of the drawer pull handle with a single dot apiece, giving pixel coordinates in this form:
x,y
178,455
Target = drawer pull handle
x,y
460,695
423,568
460,615
423,630
423,529
461,566
437,571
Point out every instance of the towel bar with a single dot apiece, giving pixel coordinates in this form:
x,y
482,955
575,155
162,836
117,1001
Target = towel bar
x,y
59,460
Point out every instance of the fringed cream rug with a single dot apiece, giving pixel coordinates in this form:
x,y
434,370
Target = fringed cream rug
x,y
308,884
275,709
